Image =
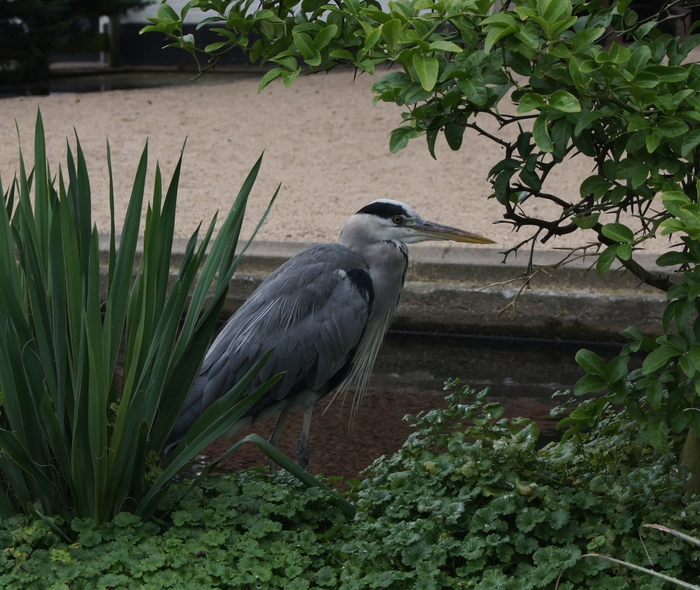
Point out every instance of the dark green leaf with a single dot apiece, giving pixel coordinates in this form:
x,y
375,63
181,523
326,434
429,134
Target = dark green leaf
x,y
474,89
541,134
669,73
551,10
591,363
659,358
639,59
400,137
638,122
657,431
496,33
595,185
587,221
589,384
269,77
672,126
617,369
690,143
583,39
605,259
674,259
652,141
454,132
618,232
447,46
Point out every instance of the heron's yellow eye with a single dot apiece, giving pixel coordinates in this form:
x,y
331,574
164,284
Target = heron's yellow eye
x,y
397,220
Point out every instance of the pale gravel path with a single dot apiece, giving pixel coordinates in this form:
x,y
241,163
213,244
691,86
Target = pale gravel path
x,y
323,140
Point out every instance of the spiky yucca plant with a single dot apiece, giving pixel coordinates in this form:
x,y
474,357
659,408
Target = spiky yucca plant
x,y
75,439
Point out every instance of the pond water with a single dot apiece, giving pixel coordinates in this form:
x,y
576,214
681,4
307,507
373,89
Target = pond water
x,y
138,79
408,378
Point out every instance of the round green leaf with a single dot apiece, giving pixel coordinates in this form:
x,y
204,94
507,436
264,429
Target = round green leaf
x,y
595,185
530,102
586,222
624,251
618,232
589,384
672,126
564,101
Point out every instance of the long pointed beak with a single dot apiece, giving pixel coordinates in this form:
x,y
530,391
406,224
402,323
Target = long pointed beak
x,y
430,230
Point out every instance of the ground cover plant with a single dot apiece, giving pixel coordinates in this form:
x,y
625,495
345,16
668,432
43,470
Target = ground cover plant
x,y
588,79
469,501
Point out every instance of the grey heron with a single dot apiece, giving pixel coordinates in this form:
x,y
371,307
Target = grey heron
x,y
325,312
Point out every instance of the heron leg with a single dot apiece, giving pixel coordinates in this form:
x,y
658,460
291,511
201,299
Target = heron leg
x,y
302,450
276,437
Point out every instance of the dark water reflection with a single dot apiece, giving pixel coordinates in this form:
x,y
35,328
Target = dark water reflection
x,y
517,368
130,80
408,378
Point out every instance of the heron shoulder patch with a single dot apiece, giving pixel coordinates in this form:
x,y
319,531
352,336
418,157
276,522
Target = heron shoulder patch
x,y
360,279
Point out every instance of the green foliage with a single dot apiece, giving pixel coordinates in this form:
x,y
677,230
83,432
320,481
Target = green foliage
x,y
663,394
589,79
246,530
469,501
97,357
651,572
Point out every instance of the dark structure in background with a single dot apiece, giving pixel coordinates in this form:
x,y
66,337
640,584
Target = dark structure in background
x,y
31,31
689,11
142,50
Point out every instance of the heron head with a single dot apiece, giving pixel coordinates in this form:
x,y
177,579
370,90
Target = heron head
x,y
385,219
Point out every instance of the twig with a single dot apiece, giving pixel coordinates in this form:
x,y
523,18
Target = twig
x,y
533,270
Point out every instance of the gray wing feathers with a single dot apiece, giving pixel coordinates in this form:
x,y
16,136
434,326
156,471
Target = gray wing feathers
x,y
308,310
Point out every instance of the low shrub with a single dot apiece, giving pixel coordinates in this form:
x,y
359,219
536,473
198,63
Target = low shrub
x,y
469,501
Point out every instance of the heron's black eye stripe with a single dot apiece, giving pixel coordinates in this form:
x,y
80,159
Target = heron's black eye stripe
x,y
383,209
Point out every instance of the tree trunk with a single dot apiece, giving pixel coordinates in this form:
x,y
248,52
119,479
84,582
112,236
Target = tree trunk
x,y
114,25
690,457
